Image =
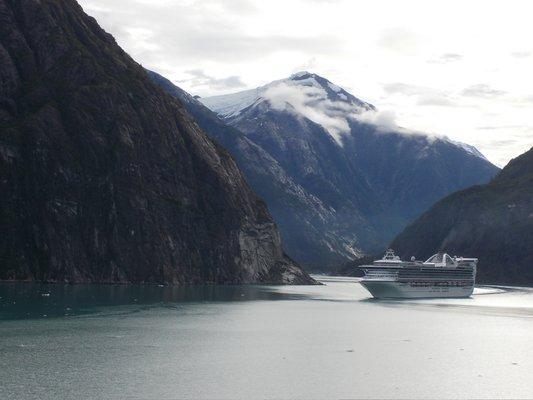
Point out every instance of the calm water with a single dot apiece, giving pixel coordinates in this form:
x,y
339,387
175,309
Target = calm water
x,y
331,341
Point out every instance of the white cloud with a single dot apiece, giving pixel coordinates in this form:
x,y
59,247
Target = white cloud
x,y
522,54
447,58
384,121
482,90
201,79
400,40
311,102
411,89
425,96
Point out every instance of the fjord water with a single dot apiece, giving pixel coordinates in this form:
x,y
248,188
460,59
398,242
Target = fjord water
x,y
330,341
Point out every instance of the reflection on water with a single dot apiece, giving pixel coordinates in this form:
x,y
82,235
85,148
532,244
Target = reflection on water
x,y
503,301
497,300
28,300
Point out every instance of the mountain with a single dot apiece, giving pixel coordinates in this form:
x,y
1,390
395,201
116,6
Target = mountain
x,y
370,177
312,231
105,177
493,222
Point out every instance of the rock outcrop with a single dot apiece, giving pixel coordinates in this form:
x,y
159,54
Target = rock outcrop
x,y
106,178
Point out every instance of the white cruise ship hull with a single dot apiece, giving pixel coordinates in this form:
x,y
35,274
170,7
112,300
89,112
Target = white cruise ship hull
x,y
405,290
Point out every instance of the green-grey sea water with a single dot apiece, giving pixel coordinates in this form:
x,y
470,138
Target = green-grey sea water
x,y
331,341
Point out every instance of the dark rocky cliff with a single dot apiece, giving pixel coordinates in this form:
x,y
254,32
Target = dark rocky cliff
x,y
106,178
493,222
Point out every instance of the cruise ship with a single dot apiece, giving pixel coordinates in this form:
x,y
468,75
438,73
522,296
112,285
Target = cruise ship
x,y
440,276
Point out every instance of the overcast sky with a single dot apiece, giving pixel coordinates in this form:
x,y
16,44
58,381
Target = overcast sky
x,y
456,68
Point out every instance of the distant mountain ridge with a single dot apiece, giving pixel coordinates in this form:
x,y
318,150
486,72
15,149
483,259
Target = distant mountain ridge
x,y
346,179
493,222
106,178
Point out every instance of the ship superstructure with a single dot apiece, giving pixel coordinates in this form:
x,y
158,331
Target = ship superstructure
x,y
440,276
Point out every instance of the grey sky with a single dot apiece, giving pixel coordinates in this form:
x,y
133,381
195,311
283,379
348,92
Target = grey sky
x,y
444,67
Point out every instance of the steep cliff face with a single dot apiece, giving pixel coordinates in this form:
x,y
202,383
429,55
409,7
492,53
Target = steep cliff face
x,y
370,179
312,231
106,178
493,222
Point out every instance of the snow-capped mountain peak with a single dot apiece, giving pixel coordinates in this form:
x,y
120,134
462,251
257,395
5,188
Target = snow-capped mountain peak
x,y
305,94
300,74
310,96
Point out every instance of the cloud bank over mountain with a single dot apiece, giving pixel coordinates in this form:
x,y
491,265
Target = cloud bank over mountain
x,y
466,81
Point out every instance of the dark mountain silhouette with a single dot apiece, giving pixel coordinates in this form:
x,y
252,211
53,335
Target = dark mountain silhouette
x,y
493,222
105,177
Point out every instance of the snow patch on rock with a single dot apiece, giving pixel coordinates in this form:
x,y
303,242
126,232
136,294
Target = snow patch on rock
x,y
334,87
232,104
468,148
